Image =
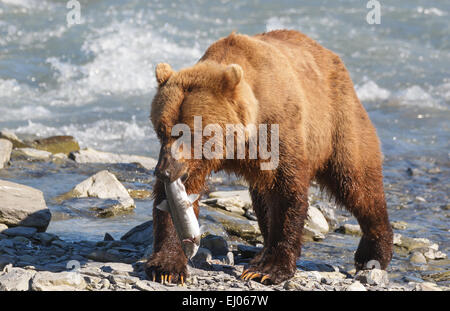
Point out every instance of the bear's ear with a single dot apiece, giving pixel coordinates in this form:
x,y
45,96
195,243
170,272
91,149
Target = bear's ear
x,y
233,75
163,72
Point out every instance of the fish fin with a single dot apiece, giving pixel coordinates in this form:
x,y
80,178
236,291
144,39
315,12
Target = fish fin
x,y
163,206
194,197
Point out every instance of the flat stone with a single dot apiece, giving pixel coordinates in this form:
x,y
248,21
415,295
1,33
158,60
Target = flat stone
x,y
31,153
89,155
20,231
5,152
57,144
399,225
23,206
59,281
15,279
45,238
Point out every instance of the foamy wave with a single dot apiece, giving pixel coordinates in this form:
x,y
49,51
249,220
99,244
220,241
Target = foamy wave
x,y
431,11
124,56
275,23
23,113
370,91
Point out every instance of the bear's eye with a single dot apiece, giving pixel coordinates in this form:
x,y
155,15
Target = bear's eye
x,y
189,89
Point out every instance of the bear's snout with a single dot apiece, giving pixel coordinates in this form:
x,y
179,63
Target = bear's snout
x,y
168,168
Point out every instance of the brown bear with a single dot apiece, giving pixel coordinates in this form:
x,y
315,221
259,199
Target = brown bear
x,y
281,77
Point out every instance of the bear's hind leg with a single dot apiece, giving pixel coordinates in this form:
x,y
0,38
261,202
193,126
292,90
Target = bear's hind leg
x,y
361,192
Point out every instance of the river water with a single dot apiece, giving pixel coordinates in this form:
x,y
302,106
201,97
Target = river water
x,y
95,81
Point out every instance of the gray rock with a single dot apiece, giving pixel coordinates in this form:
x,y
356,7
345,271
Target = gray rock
x,y
373,277
417,258
203,256
140,234
23,206
89,155
20,231
247,251
413,243
108,237
60,281
45,238
15,279
229,259
5,152
216,244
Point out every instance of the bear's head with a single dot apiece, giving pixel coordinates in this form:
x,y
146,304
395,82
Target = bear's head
x,y
190,108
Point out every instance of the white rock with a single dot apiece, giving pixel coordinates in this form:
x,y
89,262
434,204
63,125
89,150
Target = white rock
x,y
373,277
23,205
316,220
102,185
61,281
5,152
427,286
32,153
3,227
356,287
15,279
89,155
434,254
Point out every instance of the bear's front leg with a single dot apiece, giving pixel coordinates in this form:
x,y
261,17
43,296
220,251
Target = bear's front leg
x,y
277,262
168,262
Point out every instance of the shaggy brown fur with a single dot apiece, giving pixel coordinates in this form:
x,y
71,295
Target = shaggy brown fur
x,y
281,77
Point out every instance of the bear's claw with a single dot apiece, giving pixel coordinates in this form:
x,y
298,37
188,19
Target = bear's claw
x,y
248,275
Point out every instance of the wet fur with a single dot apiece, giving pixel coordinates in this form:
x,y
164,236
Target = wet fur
x,y
325,135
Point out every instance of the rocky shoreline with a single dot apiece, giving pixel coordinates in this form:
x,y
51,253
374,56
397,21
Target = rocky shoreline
x,y
33,259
